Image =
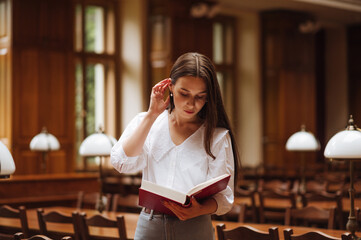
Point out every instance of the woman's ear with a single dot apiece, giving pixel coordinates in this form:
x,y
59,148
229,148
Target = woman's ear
x,y
171,86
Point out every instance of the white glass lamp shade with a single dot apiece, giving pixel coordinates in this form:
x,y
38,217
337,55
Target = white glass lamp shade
x,y
344,145
7,165
97,144
44,141
302,141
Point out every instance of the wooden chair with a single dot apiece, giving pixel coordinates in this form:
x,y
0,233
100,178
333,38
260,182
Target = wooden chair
x,y
313,235
311,217
274,185
89,200
275,191
250,211
127,203
57,217
309,197
246,233
101,221
242,211
20,213
20,236
333,180
315,186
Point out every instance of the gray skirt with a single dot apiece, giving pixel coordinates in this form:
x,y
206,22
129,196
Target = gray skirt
x,y
165,227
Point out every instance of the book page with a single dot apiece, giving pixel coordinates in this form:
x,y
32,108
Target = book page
x,y
202,185
164,191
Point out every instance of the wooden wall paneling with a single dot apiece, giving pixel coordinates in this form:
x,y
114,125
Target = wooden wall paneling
x,y
289,85
26,78
354,74
25,108
5,73
43,82
191,35
354,71
26,22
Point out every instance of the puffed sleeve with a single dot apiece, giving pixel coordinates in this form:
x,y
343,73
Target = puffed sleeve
x,y
223,163
120,161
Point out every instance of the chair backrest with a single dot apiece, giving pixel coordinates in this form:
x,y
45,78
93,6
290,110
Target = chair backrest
x,y
20,236
316,186
311,217
127,203
281,193
91,199
20,213
244,208
250,211
246,232
314,235
274,185
57,217
323,196
101,221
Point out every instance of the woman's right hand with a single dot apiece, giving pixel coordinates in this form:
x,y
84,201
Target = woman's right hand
x,y
157,102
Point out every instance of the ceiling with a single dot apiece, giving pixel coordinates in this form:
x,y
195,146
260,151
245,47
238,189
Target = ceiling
x,y
325,11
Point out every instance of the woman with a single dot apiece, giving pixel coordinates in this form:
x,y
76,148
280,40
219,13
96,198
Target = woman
x,y
180,142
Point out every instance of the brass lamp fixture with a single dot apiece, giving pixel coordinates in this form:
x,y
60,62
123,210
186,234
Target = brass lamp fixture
x,y
99,145
346,146
302,142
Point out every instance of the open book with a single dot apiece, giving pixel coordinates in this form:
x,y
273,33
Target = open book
x,y
151,195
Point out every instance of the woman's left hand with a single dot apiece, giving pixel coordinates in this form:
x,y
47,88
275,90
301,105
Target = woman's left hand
x,y
194,210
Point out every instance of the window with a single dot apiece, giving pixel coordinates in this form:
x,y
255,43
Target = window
x,y
224,60
95,72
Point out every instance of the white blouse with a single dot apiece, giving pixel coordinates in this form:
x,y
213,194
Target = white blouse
x,y
179,167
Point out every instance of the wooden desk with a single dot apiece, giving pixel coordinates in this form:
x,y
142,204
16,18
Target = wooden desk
x,y
283,203
131,222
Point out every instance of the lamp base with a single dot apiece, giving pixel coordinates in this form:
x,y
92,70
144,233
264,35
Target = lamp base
x,y
352,227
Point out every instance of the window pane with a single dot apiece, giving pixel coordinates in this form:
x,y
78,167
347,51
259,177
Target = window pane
x,y
94,29
94,98
78,28
229,44
3,19
220,78
218,43
79,112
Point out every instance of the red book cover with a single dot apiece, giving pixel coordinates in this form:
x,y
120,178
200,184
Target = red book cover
x,y
151,195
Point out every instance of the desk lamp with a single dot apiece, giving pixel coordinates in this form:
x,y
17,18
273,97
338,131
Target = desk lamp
x,y
7,165
346,146
98,145
44,142
302,142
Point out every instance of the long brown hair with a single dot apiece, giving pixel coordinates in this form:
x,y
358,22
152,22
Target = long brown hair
x,y
213,113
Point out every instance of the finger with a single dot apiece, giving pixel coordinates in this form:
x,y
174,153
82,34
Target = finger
x,y
165,86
